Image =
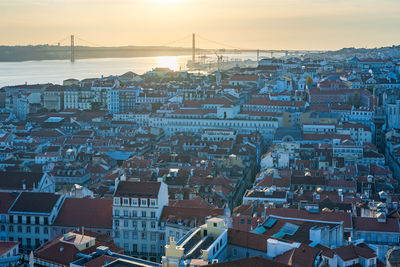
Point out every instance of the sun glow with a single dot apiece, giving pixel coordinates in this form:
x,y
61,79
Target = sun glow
x,y
168,62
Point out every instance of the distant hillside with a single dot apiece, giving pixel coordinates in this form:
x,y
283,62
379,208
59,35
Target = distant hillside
x,y
387,51
46,52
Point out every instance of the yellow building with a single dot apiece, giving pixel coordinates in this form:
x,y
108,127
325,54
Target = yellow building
x,y
313,117
198,247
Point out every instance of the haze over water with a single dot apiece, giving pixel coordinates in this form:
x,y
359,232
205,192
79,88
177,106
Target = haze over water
x,y
55,71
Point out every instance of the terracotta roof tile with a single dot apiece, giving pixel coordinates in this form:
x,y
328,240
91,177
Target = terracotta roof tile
x,y
90,213
256,261
35,202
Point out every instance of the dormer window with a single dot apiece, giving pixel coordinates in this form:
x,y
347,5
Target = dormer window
x,y
125,201
117,201
153,203
135,202
143,202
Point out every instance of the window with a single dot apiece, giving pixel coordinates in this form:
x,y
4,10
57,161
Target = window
x,y
153,248
153,214
117,201
134,247
116,222
144,236
45,230
153,225
144,224
116,213
11,228
153,236
126,213
144,248
143,202
153,203
11,218
134,201
143,214
134,213
46,220
126,234
125,201
20,229
28,219
19,219
28,229
116,234
125,223
134,236
162,236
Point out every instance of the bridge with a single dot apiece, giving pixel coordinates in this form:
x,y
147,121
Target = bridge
x,y
223,47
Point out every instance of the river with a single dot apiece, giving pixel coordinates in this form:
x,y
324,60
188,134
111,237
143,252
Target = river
x,y
55,71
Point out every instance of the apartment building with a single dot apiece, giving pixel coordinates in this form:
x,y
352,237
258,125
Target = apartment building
x,y
78,98
137,208
30,218
121,100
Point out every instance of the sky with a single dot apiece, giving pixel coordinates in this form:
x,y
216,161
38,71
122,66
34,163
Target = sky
x,y
255,24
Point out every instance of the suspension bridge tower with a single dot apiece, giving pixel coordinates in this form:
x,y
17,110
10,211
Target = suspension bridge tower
x,y
72,48
193,48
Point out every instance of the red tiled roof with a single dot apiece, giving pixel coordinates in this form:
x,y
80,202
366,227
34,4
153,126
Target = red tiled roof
x,y
244,78
6,246
35,202
197,202
256,261
62,253
372,224
99,261
352,252
15,180
6,200
139,189
74,213
305,215
303,256
342,183
188,215
280,103
247,239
